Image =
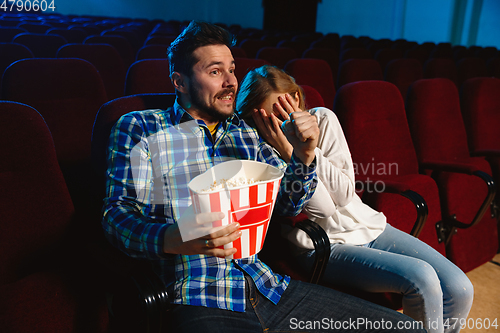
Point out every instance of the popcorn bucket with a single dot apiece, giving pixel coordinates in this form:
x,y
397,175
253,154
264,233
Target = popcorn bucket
x,y
245,191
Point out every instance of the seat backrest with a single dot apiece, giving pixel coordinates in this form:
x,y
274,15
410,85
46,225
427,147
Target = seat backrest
x,y
486,52
493,66
419,52
353,70
312,97
148,76
355,53
386,55
152,51
121,44
68,94
436,124
11,52
277,56
35,205
42,46
374,121
71,35
8,33
480,106
131,36
442,50
35,27
403,72
441,68
110,112
315,73
238,52
105,59
245,65
330,55
252,46
298,45
468,68
159,40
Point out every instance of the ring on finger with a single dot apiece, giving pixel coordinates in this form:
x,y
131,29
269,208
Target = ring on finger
x,y
206,243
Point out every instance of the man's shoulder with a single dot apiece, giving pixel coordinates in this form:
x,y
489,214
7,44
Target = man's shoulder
x,y
144,114
240,124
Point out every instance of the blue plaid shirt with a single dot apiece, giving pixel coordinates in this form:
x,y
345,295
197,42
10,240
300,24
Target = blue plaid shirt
x,y
152,156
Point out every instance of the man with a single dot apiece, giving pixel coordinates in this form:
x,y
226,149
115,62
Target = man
x,y
153,155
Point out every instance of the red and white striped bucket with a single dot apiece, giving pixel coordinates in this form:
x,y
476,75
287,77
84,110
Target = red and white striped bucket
x,y
249,205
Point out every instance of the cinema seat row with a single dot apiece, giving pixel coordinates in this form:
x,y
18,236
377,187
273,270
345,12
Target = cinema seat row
x,y
57,107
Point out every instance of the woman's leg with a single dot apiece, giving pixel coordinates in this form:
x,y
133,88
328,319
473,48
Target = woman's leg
x,y
458,292
397,262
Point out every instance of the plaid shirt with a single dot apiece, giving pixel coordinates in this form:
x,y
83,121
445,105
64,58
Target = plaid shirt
x,y
152,156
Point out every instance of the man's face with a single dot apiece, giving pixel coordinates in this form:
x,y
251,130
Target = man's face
x,y
212,85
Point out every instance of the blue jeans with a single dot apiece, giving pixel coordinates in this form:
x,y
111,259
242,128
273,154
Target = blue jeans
x,y
304,307
435,291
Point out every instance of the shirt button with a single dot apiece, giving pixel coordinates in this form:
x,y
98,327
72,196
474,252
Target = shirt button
x,y
306,177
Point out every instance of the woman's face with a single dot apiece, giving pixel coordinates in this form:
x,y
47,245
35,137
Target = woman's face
x,y
273,99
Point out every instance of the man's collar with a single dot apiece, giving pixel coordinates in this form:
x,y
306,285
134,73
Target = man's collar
x,y
179,115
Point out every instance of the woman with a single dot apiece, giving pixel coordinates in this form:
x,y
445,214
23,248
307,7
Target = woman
x,y
367,253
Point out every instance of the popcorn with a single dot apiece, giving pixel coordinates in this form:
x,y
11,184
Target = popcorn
x,y
229,183
245,191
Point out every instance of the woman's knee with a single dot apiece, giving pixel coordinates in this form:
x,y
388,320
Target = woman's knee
x,y
424,280
460,290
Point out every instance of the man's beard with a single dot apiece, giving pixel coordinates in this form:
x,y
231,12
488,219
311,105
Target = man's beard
x,y
211,111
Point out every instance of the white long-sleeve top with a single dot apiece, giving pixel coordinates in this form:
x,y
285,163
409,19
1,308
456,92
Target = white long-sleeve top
x,y
335,206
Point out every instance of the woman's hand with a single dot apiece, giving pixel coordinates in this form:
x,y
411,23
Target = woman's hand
x,y
301,128
270,129
269,124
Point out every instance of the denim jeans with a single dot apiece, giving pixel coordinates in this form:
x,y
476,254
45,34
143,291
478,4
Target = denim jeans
x,y
435,291
304,307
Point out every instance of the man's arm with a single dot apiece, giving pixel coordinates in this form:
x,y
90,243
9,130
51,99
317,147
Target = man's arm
x,y
127,219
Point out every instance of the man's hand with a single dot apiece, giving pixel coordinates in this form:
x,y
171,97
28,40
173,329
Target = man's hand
x,y
201,224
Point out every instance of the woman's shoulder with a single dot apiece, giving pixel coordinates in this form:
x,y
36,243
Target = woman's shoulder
x,y
324,114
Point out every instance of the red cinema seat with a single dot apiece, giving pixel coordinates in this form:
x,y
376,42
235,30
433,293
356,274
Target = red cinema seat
x,y
353,70
42,46
465,184
68,93
121,44
468,68
277,56
373,117
312,97
441,68
480,102
43,287
148,76
105,59
402,73
245,65
315,73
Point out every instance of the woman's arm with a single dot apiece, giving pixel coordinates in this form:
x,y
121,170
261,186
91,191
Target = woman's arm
x,y
334,164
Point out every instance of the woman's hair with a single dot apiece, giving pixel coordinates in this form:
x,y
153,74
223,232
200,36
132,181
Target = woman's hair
x,y
259,83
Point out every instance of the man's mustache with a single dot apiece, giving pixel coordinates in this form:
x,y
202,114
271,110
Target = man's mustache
x,y
225,92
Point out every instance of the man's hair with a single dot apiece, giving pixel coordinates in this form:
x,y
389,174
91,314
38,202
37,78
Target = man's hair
x,y
259,83
197,34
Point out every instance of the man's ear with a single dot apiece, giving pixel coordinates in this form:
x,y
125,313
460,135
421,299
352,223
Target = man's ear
x,y
179,81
